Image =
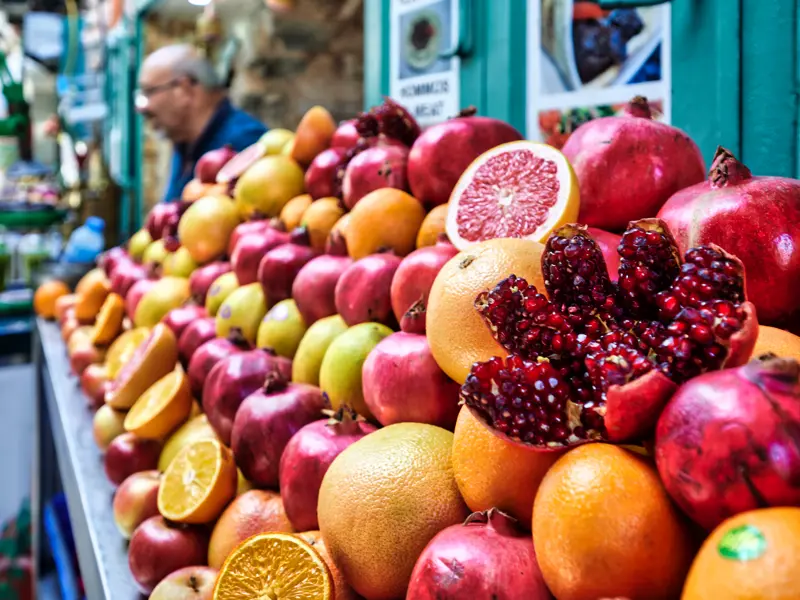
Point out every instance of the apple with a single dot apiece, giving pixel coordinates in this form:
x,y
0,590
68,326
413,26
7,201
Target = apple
x,y
107,424
93,384
136,500
158,548
188,583
69,325
128,454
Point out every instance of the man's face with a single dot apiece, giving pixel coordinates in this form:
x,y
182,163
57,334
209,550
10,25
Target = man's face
x,y
164,100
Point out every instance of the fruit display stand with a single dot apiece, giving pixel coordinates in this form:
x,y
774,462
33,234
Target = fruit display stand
x,y
66,456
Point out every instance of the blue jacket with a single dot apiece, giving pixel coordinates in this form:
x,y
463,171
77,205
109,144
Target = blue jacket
x,y
229,125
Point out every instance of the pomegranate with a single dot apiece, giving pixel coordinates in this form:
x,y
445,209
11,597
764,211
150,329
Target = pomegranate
x,y
314,288
486,557
208,355
391,120
211,162
383,165
125,275
249,251
266,421
608,243
306,460
363,291
401,383
651,160
346,135
280,266
322,177
201,279
234,378
113,257
412,284
195,335
248,227
178,319
598,360
754,218
729,441
444,151
135,293
162,221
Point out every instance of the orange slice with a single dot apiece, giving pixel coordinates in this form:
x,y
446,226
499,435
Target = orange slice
x,y
198,483
517,190
162,408
122,349
274,565
109,320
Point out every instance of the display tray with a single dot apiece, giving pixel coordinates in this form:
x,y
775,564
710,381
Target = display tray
x,y
102,552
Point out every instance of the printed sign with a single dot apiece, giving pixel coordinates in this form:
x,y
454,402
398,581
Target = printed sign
x,y
421,79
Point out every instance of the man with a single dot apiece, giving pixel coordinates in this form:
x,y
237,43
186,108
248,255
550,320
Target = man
x,y
180,94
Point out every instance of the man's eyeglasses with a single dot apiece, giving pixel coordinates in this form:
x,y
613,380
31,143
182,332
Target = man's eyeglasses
x,y
142,95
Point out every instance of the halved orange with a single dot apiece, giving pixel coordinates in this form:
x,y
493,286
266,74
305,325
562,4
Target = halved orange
x,y
109,320
198,483
520,189
162,408
274,565
122,349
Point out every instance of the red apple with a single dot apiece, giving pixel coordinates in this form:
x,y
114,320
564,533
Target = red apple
x,y
136,500
107,425
93,384
83,354
69,325
129,454
189,583
159,548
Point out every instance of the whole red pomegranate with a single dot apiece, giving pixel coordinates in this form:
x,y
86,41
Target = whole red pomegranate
x,y
651,161
322,177
608,243
202,278
443,152
256,226
178,319
346,135
729,441
232,380
754,218
383,165
413,281
112,257
280,266
208,355
486,557
363,291
402,383
125,274
249,251
211,162
266,421
195,335
162,220
598,360
314,288
306,460
135,293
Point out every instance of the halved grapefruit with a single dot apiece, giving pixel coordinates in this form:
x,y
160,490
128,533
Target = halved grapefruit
x,y
520,189
233,169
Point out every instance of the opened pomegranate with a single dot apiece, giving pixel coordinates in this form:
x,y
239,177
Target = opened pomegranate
x,y
249,251
729,441
390,119
195,334
755,218
608,243
444,151
599,360
346,135
209,354
266,421
280,266
314,288
651,161
201,279
383,165
363,291
412,284
322,176
232,380
486,557
178,319
306,460
211,162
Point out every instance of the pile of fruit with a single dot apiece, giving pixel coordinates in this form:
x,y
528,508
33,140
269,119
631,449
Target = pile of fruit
x,y
365,361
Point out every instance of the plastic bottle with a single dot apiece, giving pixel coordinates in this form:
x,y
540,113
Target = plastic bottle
x,y
86,242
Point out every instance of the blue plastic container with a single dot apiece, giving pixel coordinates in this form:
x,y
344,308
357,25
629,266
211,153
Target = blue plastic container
x,y
86,242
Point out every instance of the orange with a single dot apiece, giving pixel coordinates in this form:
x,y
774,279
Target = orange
x,y
196,428
777,341
493,472
242,485
91,299
267,186
456,332
89,279
341,590
274,565
44,300
198,483
519,189
312,136
336,242
383,499
383,219
750,556
432,226
121,349
253,512
162,408
319,220
292,212
603,526
109,320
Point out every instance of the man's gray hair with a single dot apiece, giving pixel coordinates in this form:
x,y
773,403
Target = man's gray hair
x,y
183,60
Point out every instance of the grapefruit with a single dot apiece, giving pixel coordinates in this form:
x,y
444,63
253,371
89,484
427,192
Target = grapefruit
x,y
777,341
206,227
433,227
274,140
166,294
519,189
266,187
243,309
292,211
319,219
138,244
313,135
385,218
